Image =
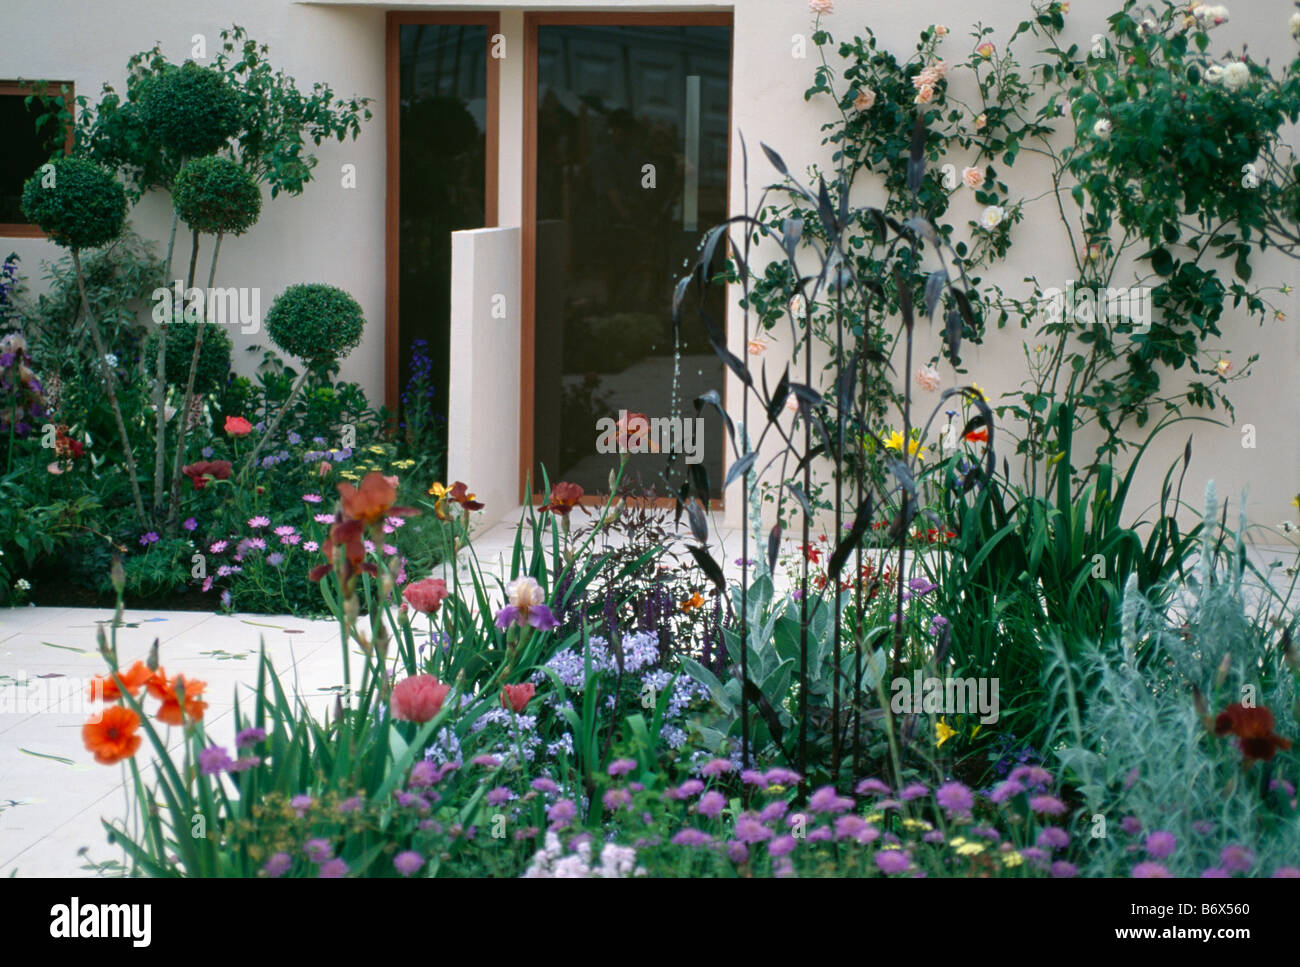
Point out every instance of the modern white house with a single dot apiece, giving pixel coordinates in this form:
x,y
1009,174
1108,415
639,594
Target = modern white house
x,y
535,174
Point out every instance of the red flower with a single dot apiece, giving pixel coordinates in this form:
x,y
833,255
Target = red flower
x,y
238,426
564,497
517,697
418,698
978,436
113,737
203,471
426,596
132,678
169,691
1253,727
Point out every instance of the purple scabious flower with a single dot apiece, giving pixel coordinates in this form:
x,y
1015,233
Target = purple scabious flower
x,y
149,538
190,524
544,784
955,797
773,812
737,852
561,813
615,799
820,834
711,804
781,776
213,759
407,862
1053,837
872,787
750,829
782,846
301,803
1203,826
1236,859
318,850
933,836
921,585
1036,777
892,861
1160,844
501,795
827,800
277,865
1005,790
986,832
692,837
350,805
244,763
689,788
1131,825
1286,873
752,777
423,775
1036,856
1215,873
1149,871
621,767
334,869
856,828
1063,870
249,736
1047,805
716,767
913,790
489,761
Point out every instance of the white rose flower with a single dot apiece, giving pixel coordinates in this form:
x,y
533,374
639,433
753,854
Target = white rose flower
x,y
1102,129
1294,24
1214,74
1235,75
992,217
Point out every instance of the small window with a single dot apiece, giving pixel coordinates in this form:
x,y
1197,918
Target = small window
x,y
26,149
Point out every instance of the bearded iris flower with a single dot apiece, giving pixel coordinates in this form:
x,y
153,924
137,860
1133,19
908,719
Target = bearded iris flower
x,y
526,607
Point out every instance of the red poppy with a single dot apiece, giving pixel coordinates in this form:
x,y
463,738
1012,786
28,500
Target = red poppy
x,y
517,697
169,691
203,471
1253,727
978,436
564,497
107,688
238,426
113,737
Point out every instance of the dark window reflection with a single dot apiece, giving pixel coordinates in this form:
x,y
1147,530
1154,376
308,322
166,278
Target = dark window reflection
x,y
633,128
24,151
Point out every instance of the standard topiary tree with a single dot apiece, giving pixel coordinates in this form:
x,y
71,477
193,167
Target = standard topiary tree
x,y
213,195
191,110
317,323
214,356
81,205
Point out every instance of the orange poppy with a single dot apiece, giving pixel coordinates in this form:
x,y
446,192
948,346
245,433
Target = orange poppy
x,y
168,690
104,687
113,738
978,436
373,500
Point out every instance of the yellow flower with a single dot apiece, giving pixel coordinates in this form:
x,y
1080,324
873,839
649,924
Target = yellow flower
x,y
970,849
1012,859
917,824
403,464
874,817
944,732
376,448
895,442
979,389
348,475
956,841
437,490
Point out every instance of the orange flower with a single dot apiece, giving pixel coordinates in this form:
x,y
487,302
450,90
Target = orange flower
x,y
978,436
103,686
373,500
113,737
696,600
169,691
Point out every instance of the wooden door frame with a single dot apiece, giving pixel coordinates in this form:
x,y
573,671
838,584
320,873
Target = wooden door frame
x,y
528,228
394,22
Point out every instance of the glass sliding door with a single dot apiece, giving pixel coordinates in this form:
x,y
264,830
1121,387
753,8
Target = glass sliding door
x,y
444,119
632,134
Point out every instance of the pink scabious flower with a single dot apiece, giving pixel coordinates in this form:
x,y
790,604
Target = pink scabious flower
x,y
312,498
277,865
1033,776
1149,871
1286,873
426,596
716,767
526,606
913,790
782,846
692,837
955,797
259,521
1215,873
892,861
408,862
749,829
1064,870
1131,825
773,811
487,761
561,813
1236,859
616,799
780,776
687,790
1053,837
827,800
1047,805
418,698
1160,844
711,804
856,828
872,787
334,869
621,767
1005,790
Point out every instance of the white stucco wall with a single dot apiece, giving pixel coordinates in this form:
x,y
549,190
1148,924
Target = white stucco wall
x,y
335,235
